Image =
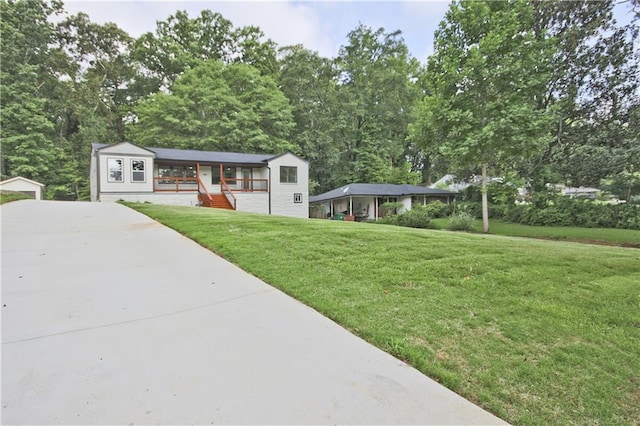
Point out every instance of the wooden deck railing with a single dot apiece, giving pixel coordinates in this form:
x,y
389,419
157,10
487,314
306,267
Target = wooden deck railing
x,y
248,185
175,184
226,190
203,194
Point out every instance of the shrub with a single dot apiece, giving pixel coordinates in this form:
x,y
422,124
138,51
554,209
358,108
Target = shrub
x,y
565,211
436,209
417,217
461,221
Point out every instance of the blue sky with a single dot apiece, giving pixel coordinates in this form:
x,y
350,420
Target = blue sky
x,y
318,25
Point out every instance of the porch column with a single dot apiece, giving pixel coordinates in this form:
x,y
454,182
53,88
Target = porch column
x,y
375,208
350,206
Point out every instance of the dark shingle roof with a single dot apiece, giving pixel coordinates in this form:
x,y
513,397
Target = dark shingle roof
x,y
169,154
377,189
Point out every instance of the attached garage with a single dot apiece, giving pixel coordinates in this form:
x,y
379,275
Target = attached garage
x,y
26,186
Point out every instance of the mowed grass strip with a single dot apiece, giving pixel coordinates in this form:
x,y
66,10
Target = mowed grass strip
x,y
537,332
622,237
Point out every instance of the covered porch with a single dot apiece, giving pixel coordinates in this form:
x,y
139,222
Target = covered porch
x,y
214,183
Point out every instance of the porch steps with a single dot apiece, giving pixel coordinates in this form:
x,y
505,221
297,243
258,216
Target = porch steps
x,y
218,201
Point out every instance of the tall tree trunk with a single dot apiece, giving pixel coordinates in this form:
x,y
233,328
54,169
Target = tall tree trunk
x,y
485,200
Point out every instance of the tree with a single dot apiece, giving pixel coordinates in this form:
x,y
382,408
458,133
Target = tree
x,y
593,87
217,107
181,43
377,91
310,83
30,68
486,77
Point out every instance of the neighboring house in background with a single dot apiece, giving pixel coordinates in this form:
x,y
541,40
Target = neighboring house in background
x,y
26,186
580,192
362,201
259,183
448,182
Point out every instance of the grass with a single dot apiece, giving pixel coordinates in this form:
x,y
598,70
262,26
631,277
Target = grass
x,y
8,196
623,237
536,332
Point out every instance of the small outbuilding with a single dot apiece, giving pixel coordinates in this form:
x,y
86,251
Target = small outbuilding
x,y
26,186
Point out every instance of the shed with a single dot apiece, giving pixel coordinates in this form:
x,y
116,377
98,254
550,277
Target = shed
x,y
26,186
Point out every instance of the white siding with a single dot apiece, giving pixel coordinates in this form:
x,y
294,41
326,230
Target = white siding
x,y
253,202
406,201
127,185
126,148
282,194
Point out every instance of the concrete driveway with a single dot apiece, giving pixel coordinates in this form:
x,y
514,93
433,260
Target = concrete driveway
x,y
111,318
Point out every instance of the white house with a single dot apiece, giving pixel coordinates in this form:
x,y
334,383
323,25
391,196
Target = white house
x,y
363,201
259,183
26,186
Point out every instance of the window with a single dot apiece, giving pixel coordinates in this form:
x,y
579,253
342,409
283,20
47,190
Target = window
x,y
137,171
114,167
288,174
229,174
297,197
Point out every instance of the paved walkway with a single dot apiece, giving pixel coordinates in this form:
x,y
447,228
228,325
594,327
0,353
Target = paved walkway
x,y
110,318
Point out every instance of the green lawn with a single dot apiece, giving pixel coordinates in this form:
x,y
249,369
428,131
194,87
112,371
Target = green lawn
x,y
626,237
534,331
8,196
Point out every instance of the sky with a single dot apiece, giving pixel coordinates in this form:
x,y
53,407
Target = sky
x,y
321,26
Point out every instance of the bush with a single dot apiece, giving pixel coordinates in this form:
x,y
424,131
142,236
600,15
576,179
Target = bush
x,y
565,211
461,221
436,209
417,217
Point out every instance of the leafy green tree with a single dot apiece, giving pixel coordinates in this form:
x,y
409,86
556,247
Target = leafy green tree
x,y
377,91
217,107
592,89
29,74
181,43
96,99
310,83
486,76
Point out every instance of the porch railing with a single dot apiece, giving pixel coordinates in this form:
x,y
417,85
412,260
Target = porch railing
x,y
203,195
247,185
226,190
175,184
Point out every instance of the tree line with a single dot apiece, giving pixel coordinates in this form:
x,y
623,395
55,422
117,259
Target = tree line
x,y
536,91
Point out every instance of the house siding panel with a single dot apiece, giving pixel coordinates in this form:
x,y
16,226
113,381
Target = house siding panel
x,y
282,194
126,148
126,185
252,202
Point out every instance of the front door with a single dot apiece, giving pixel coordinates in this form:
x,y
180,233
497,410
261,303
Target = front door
x,y
247,175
